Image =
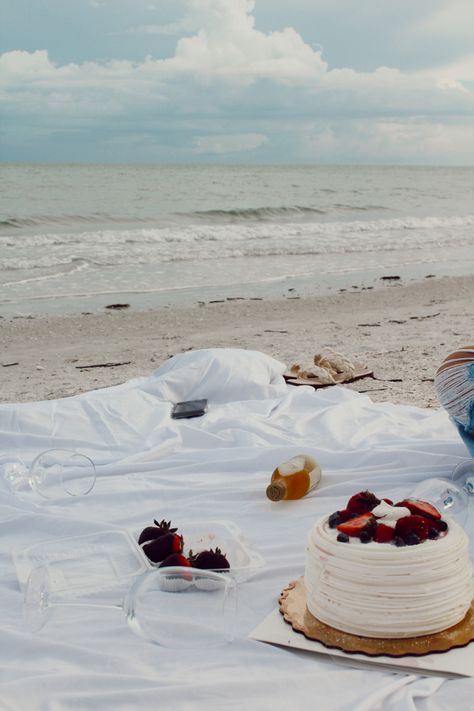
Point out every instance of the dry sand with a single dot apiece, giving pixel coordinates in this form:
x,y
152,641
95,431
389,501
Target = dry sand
x,y
402,332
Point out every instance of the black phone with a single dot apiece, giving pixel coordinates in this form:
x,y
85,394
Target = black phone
x,y
190,408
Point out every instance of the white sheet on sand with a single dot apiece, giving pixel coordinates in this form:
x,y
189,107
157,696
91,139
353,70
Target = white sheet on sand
x,y
213,467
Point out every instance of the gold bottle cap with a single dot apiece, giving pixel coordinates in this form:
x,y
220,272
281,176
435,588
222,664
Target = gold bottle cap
x,y
276,491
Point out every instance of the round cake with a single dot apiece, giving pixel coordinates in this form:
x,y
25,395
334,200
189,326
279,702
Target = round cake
x,y
387,571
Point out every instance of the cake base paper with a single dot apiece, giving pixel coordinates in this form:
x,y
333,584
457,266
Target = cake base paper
x,y
454,655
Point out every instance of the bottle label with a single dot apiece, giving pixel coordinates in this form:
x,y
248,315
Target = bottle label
x,y
314,472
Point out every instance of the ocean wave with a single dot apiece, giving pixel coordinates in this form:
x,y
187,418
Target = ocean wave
x,y
206,242
256,213
97,218
52,269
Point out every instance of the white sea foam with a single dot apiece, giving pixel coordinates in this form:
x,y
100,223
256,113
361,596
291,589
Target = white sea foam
x,y
203,242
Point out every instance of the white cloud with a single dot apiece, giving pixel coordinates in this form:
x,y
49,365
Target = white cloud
x,y
226,72
412,140
455,18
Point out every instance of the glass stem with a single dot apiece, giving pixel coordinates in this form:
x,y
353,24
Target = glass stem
x,y
108,606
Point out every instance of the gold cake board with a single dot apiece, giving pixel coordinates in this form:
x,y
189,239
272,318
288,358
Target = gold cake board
x,y
293,608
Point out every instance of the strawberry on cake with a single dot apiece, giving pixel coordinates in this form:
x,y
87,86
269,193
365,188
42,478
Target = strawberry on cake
x,y
389,571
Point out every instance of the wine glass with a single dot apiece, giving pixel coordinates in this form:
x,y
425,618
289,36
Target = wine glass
x,y
446,495
172,607
52,474
463,476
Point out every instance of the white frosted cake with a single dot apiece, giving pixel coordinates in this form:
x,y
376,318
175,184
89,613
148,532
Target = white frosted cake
x,y
391,572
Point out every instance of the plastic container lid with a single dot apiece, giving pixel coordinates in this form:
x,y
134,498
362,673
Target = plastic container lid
x,y
83,564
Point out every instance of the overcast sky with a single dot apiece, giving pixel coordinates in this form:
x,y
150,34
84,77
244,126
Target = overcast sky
x,y
238,81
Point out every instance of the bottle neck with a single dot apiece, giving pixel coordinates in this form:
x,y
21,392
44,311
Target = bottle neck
x,y
276,491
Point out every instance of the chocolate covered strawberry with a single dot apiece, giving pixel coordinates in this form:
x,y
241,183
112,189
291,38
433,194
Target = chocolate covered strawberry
x,y
410,526
359,525
150,533
158,549
420,508
177,559
362,502
209,560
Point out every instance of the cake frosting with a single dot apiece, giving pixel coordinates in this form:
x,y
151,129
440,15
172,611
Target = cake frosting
x,y
383,590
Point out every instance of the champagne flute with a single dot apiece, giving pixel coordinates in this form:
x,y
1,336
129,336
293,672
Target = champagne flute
x,y
446,495
172,607
52,474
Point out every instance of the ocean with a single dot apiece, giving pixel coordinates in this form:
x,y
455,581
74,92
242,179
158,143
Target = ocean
x,y
79,237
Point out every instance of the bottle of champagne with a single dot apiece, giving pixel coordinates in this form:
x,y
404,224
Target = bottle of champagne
x,y
294,478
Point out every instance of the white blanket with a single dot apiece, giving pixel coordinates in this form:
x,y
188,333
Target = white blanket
x,y
213,467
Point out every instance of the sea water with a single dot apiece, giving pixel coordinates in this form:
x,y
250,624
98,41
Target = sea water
x,y
79,237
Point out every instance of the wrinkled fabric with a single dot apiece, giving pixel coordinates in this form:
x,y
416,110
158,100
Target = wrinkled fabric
x,y
214,467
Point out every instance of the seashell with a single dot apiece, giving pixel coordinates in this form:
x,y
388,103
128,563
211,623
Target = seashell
x,y
454,383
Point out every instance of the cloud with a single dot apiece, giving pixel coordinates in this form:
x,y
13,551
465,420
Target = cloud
x,y
227,73
413,140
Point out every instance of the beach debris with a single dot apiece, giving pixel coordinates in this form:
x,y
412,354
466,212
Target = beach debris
x,y
388,380
369,324
9,365
420,318
101,365
390,277
117,306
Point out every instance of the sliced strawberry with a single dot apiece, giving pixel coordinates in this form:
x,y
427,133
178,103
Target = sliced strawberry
x,y
388,501
412,524
355,526
362,502
420,508
383,533
345,515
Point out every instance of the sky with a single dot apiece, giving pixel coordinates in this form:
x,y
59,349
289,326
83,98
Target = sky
x,y
237,81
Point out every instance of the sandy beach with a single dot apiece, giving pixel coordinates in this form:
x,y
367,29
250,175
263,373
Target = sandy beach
x,y
401,332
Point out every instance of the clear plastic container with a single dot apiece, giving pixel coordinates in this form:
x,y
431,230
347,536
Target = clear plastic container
x,y
83,565
244,561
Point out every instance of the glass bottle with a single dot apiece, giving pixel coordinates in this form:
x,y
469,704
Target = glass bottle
x,y
294,478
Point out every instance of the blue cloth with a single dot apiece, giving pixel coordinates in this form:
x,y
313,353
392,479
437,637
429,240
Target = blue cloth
x,y
467,431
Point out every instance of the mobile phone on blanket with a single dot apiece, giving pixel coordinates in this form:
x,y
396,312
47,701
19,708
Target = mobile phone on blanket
x,y
190,408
